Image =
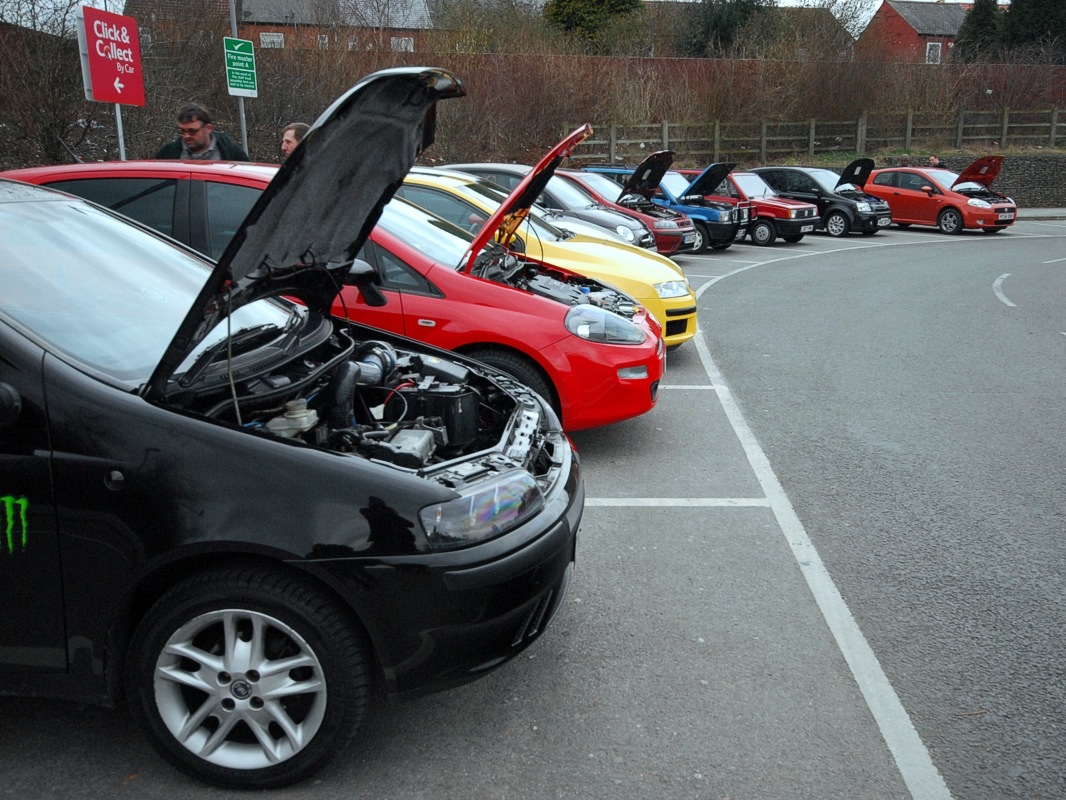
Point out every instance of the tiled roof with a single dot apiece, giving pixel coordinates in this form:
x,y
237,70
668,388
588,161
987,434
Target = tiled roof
x,y
931,19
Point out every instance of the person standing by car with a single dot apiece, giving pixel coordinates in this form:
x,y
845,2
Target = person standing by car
x,y
198,139
904,160
934,161
291,135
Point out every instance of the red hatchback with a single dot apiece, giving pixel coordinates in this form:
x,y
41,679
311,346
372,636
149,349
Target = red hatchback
x,y
588,348
950,201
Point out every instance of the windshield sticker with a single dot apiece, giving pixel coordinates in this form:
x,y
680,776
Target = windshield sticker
x,y
15,527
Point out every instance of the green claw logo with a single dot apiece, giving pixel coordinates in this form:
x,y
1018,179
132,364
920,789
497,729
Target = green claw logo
x,y
15,527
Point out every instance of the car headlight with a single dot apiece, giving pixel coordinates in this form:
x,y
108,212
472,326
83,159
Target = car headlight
x,y
600,325
864,207
487,511
665,224
671,289
625,233
976,202
792,213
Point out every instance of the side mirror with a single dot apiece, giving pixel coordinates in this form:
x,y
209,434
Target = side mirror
x,y
10,405
929,190
362,275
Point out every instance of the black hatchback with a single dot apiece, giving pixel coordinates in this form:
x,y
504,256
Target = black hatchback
x,y
843,206
238,513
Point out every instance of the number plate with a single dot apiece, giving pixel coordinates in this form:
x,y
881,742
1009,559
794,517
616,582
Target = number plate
x,y
688,238
1008,215
807,229
884,222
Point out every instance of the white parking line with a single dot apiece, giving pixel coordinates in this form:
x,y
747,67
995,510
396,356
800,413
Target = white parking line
x,y
997,290
678,502
916,766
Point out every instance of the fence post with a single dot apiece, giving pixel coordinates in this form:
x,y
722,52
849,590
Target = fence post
x,y
810,141
717,140
1003,129
762,142
909,131
1054,125
612,142
860,133
666,136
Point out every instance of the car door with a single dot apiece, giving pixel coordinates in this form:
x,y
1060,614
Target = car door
x,y
32,632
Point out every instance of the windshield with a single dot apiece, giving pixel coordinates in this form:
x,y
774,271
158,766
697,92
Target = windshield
x,y
102,292
427,233
569,194
827,179
675,183
601,184
754,186
485,191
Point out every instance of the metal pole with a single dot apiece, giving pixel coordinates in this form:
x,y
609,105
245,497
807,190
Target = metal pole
x,y
118,131
240,100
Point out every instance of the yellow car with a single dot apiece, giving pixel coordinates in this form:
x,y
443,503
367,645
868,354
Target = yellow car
x,y
654,281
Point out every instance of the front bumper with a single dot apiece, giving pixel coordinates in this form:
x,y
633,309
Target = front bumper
x,y
441,620
873,221
794,227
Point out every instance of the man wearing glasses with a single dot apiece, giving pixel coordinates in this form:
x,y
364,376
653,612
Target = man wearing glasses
x,y
198,139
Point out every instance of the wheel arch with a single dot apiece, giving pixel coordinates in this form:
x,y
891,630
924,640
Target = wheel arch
x,y
533,361
153,584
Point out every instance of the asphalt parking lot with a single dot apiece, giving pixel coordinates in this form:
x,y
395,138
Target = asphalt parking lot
x,y
703,652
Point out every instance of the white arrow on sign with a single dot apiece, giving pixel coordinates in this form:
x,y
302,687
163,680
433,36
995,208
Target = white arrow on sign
x,y
119,85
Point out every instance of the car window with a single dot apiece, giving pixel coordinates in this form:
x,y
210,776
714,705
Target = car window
x,y
885,179
799,182
912,181
147,200
444,206
777,178
227,206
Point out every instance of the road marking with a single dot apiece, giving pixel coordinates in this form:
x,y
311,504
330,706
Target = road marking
x,y
909,752
678,502
997,289
703,386
1054,261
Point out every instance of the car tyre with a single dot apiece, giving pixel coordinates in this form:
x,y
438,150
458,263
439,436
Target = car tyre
x,y
903,224
794,238
996,229
248,678
762,233
949,221
703,241
517,367
837,224
723,244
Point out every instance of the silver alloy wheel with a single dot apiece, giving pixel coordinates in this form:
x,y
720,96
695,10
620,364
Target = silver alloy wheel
x,y
762,233
240,689
836,224
949,221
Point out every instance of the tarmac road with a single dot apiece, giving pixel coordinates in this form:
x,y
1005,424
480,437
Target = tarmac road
x,y
797,576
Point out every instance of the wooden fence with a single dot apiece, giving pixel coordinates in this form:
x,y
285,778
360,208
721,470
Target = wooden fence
x,y
766,142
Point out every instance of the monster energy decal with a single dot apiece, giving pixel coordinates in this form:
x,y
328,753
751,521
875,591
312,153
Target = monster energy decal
x,y
15,527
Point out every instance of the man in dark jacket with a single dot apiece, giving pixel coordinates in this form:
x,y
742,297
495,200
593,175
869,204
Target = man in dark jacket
x,y
198,139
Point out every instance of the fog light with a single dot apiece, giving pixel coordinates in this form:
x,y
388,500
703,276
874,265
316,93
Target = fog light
x,y
633,373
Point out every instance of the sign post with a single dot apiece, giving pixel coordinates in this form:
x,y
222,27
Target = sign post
x,y
240,67
110,51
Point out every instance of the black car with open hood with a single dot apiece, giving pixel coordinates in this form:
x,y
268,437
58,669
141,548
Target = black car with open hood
x,y
843,206
238,513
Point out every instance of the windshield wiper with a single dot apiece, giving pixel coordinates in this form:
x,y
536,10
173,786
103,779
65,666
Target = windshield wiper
x,y
241,337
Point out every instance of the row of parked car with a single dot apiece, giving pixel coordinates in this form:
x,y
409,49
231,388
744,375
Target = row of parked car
x,y
272,437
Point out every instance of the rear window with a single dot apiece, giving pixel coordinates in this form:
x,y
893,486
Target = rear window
x,y
147,200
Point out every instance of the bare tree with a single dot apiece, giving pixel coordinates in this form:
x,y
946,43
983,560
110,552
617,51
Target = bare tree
x,y
45,113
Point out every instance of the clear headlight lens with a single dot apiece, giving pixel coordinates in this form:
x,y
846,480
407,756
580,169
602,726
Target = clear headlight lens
x,y
487,511
599,325
978,203
665,224
671,289
625,233
792,213
863,207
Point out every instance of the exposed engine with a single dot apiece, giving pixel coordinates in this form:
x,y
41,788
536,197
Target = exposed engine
x,y
370,399
570,289
979,192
